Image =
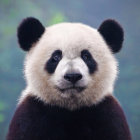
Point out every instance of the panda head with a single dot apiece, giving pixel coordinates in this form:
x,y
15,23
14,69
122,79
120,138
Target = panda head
x,y
70,64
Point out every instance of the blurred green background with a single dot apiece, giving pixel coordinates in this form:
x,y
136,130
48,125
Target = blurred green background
x,y
127,12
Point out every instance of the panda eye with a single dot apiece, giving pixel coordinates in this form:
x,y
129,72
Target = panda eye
x,y
86,55
53,61
89,60
56,56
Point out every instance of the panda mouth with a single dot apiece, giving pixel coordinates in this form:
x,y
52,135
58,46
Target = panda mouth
x,y
71,89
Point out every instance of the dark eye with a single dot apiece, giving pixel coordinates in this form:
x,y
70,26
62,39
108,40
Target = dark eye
x,y
56,58
53,61
88,59
86,56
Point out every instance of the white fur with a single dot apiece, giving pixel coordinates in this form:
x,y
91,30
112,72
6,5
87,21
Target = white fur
x,y
71,38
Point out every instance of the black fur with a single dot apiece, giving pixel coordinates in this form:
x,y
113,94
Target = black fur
x,y
90,62
113,34
29,32
53,61
34,120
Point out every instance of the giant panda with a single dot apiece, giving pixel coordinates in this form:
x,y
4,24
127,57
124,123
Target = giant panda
x,y
70,70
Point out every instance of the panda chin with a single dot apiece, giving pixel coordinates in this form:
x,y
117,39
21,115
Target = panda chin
x,y
71,90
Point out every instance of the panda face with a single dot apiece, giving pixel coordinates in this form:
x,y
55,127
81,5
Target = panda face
x,y
71,75
68,76
70,66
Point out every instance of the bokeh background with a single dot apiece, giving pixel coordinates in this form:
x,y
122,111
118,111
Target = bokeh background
x,y
127,12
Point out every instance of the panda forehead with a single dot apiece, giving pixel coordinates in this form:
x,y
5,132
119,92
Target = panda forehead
x,y
71,39
72,33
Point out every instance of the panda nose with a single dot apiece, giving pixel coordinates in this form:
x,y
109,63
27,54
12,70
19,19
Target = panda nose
x,y
73,77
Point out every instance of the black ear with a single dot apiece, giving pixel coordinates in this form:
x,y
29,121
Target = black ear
x,y
113,34
29,31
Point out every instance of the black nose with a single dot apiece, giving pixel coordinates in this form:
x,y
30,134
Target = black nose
x,y
73,77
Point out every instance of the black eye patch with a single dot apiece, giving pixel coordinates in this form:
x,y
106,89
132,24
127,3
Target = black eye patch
x,y
88,59
53,61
